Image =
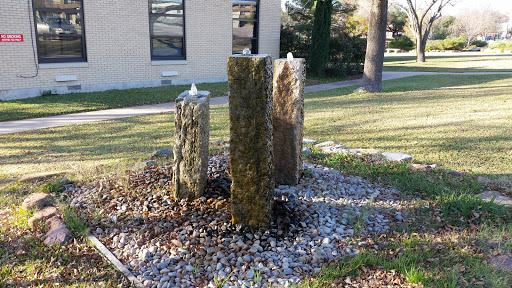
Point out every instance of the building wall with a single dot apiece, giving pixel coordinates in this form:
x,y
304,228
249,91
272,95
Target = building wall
x,y
118,48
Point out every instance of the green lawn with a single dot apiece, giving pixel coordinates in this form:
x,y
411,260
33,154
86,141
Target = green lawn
x,y
461,122
80,102
450,62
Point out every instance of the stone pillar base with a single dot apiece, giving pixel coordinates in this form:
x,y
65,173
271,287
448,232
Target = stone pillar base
x,y
251,154
192,125
288,119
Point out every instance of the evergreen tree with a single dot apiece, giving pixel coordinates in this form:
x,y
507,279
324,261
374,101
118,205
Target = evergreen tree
x,y
320,37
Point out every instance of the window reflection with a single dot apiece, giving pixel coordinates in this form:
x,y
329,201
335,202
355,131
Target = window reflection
x,y
240,44
244,29
58,4
245,25
167,28
66,48
167,47
55,24
244,9
167,7
59,29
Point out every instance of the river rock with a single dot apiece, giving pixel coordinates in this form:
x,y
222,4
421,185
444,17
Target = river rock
x,y
162,153
42,215
36,201
327,143
397,156
333,148
308,141
57,234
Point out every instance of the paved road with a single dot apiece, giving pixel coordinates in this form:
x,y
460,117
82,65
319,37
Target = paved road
x,y
84,117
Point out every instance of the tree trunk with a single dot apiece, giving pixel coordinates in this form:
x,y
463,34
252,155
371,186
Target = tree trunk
x,y
421,43
420,50
375,47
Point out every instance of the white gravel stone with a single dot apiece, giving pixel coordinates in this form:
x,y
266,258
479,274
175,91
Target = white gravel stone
x,y
328,205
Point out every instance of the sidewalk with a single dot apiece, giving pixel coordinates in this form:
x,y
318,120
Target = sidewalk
x,y
93,116
388,76
84,117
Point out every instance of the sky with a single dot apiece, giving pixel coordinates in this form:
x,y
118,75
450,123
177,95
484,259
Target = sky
x,y
504,6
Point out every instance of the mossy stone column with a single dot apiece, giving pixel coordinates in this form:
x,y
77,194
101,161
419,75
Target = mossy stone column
x,y
288,120
251,154
192,133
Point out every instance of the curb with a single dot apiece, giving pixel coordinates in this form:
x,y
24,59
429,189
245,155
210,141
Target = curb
x,y
112,259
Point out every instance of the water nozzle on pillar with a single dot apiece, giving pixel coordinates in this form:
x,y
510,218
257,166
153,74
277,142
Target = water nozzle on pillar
x,y
193,90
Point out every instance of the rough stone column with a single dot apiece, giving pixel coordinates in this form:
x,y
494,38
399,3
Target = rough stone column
x,y
192,125
251,154
289,76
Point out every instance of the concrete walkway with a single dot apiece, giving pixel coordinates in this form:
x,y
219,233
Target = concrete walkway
x,y
84,117
388,76
92,116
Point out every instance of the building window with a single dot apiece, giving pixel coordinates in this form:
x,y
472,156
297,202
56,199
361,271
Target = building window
x,y
60,31
167,29
245,26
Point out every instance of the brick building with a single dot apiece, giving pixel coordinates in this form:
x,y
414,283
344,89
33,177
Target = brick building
x,y
94,45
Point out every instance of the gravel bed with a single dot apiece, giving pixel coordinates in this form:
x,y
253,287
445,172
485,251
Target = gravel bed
x,y
170,243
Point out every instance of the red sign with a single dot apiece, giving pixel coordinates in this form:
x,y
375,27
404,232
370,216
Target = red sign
x,y
11,37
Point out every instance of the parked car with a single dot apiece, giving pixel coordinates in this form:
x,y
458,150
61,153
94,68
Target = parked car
x,y
53,27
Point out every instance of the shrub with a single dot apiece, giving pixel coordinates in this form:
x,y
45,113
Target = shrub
x,y
293,42
347,53
433,45
501,45
479,43
403,43
453,43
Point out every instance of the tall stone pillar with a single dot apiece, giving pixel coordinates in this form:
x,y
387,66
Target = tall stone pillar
x,y
192,126
251,154
289,76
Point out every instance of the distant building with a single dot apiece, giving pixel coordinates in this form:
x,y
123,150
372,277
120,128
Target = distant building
x,y
92,45
492,36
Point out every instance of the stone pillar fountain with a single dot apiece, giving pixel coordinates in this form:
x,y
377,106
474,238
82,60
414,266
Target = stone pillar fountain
x,y
251,152
192,125
289,76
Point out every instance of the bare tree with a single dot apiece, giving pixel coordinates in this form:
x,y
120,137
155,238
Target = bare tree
x,y
372,76
421,20
472,22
